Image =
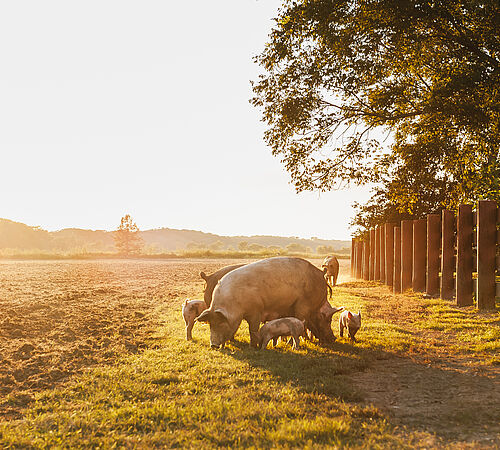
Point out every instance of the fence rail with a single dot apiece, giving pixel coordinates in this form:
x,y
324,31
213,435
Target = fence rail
x,y
454,258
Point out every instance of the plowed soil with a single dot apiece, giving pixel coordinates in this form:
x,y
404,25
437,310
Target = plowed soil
x,y
60,318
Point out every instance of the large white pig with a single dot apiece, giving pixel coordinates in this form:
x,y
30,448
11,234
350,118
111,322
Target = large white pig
x,y
266,290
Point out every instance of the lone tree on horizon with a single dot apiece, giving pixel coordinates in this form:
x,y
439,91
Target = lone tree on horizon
x,y
127,239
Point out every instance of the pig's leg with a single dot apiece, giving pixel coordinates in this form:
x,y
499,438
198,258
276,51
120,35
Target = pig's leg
x,y
341,328
296,342
275,341
189,328
302,312
253,327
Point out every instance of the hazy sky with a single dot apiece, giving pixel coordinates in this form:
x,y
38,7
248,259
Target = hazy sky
x,y
115,107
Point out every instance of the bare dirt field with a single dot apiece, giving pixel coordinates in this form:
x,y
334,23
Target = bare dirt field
x,y
59,317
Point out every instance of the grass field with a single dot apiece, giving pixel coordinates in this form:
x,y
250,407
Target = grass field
x,y
93,355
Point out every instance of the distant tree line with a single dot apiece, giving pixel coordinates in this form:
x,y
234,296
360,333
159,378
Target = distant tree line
x,y
18,239
244,246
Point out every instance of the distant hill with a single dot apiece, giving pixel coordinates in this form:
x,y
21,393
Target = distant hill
x,y
16,236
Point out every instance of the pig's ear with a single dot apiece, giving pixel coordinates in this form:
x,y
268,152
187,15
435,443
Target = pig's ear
x,y
359,314
203,275
220,314
205,316
349,314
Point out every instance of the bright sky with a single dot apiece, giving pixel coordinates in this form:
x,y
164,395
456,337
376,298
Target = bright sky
x,y
115,107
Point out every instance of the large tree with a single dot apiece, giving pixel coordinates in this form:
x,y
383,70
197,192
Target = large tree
x,y
337,74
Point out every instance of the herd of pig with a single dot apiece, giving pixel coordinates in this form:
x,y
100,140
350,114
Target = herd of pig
x,y
288,295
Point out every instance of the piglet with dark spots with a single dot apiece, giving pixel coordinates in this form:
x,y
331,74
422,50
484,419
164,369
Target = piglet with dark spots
x,y
286,326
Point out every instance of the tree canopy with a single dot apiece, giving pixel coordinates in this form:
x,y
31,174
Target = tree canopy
x,y
338,74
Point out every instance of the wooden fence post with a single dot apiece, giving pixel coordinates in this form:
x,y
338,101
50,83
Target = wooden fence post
x,y
361,272
366,260
433,241
352,257
406,254
464,256
396,280
356,244
382,253
419,254
359,259
376,275
486,253
447,255
498,256
389,254
372,254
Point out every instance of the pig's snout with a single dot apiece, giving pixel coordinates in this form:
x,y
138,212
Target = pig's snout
x,y
214,346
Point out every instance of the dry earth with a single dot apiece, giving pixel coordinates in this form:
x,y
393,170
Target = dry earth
x,y
59,318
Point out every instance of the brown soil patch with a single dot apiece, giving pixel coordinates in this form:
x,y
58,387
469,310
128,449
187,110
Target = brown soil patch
x,y
58,318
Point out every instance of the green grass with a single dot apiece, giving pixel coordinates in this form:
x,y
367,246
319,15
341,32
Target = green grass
x,y
183,394
378,334
473,333
465,330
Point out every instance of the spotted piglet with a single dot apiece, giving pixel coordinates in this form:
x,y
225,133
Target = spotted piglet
x,y
286,326
350,321
191,309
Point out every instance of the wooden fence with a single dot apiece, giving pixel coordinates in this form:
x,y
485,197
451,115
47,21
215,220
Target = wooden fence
x,y
443,256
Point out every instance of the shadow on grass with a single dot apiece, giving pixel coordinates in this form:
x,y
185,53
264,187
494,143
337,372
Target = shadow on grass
x,y
313,369
418,396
